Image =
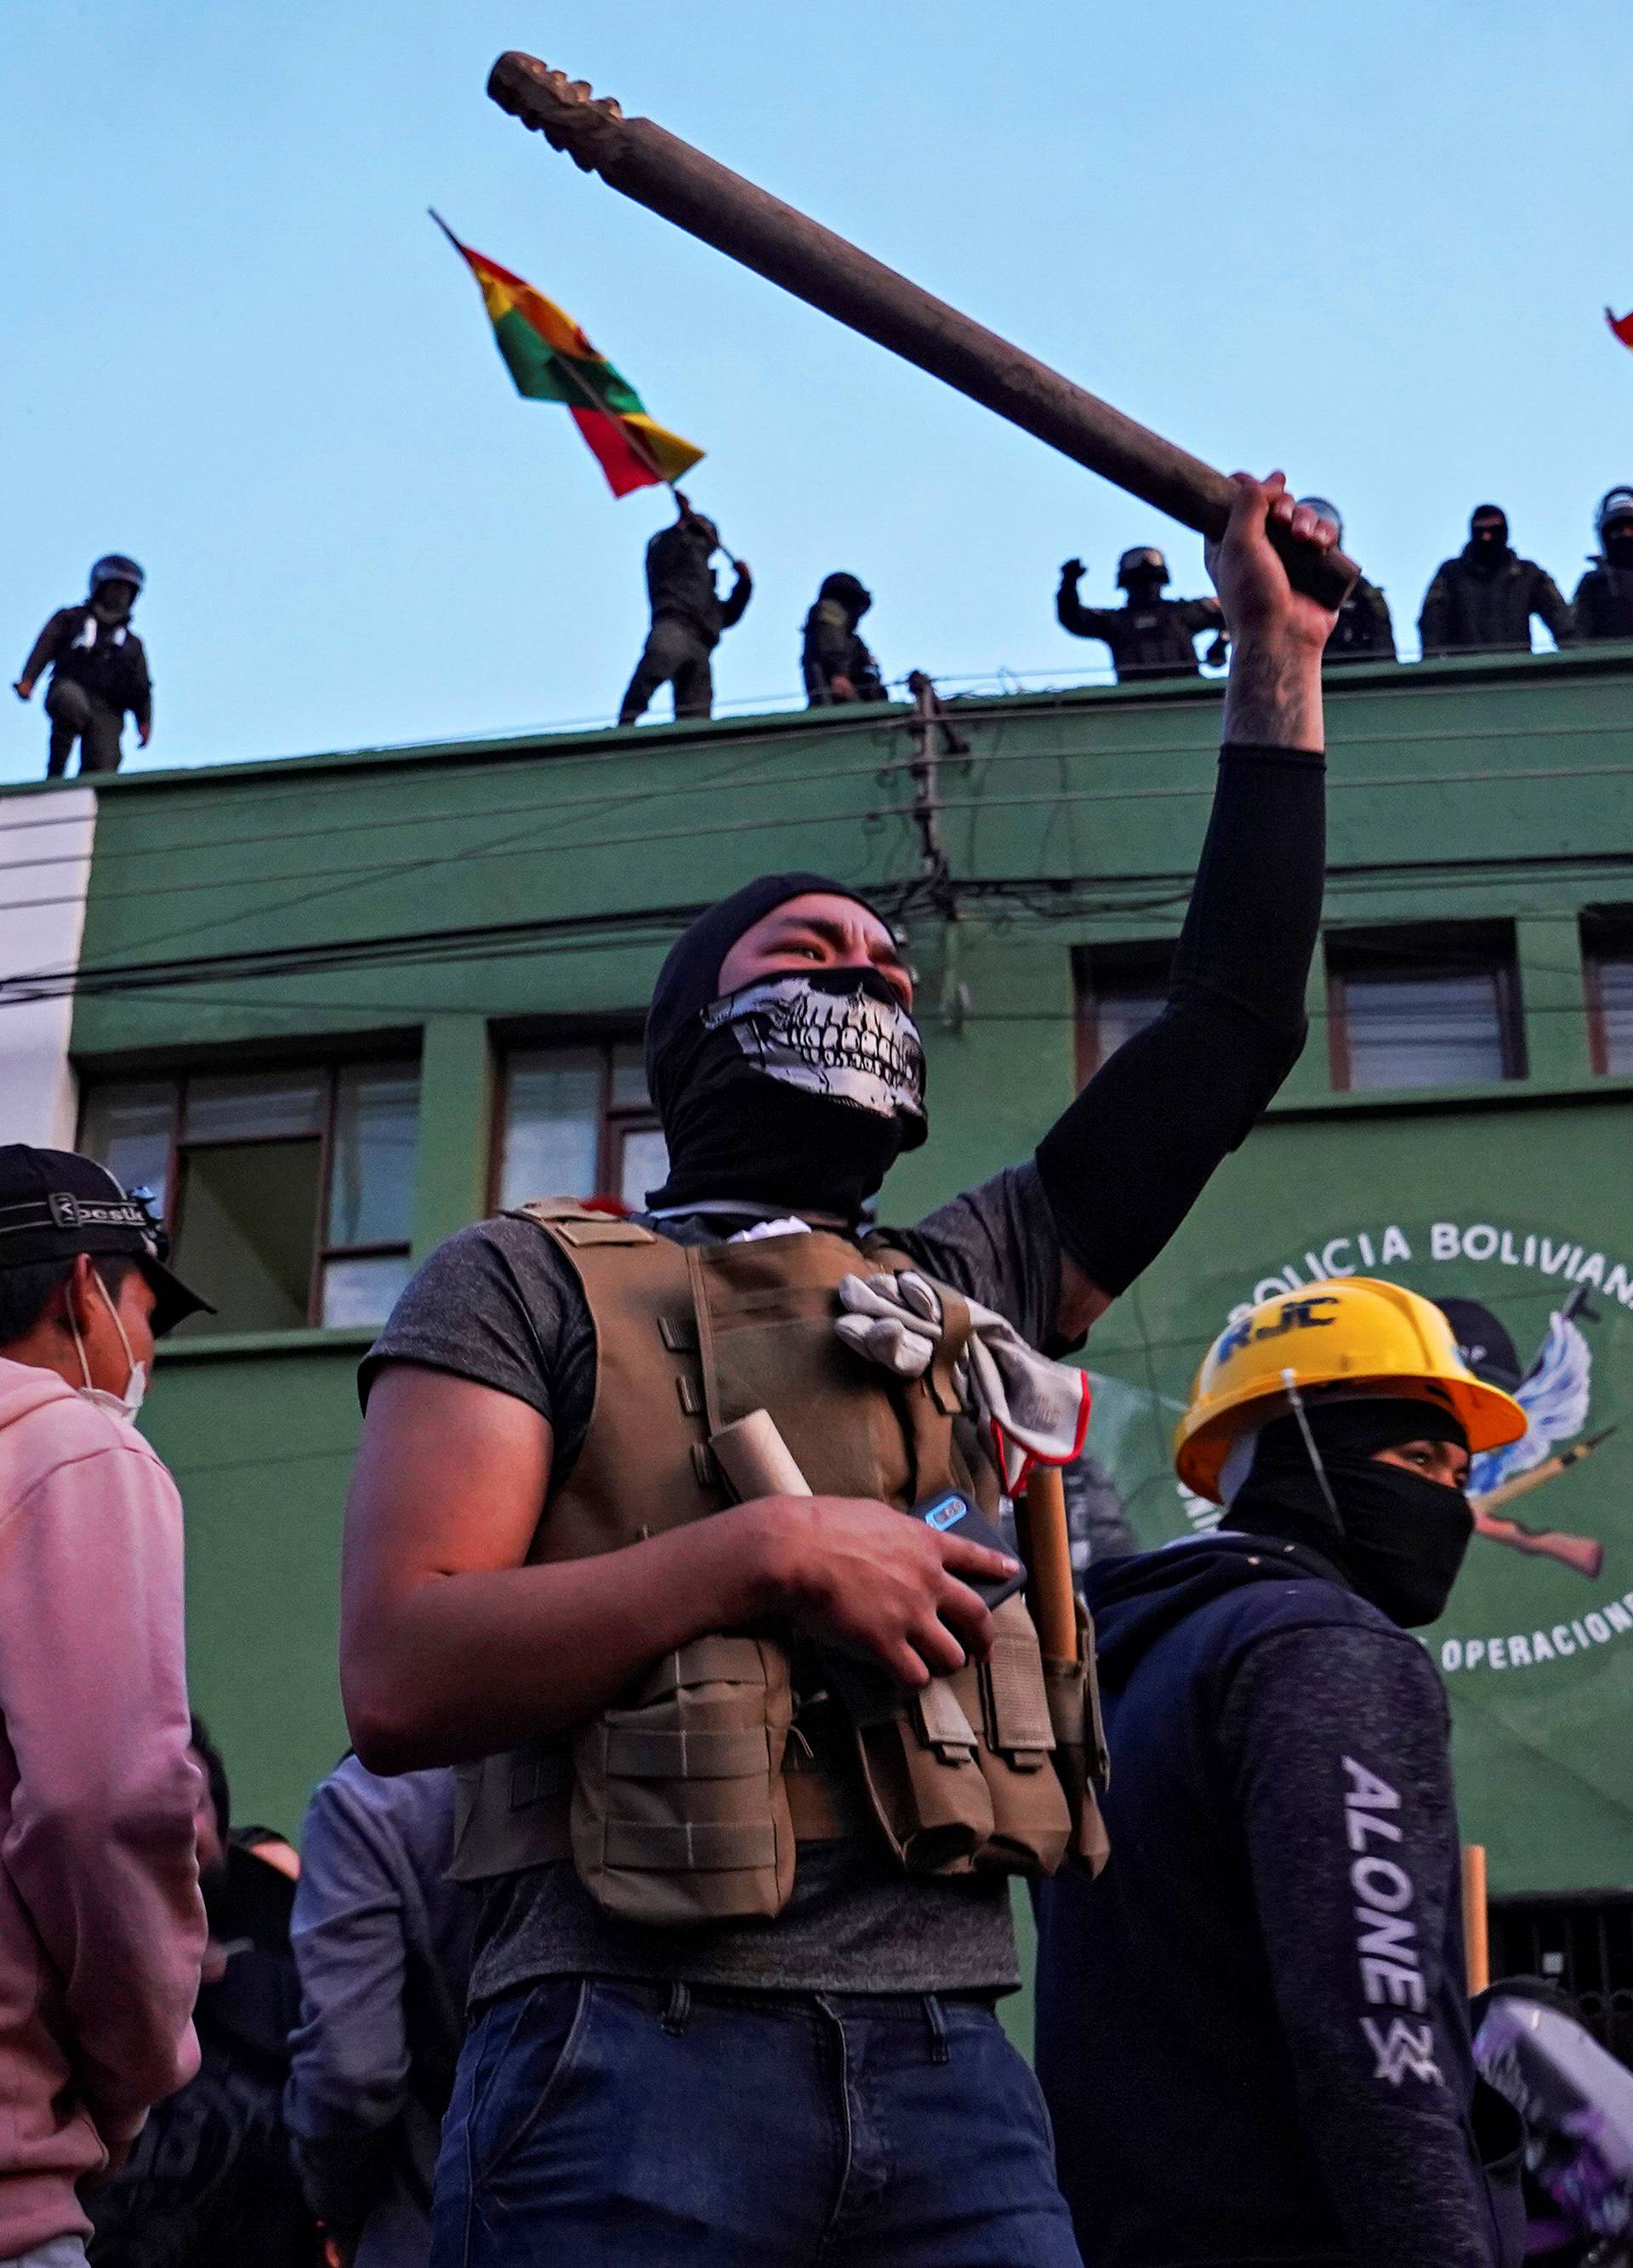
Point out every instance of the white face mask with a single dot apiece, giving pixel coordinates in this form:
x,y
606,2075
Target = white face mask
x,y
124,1405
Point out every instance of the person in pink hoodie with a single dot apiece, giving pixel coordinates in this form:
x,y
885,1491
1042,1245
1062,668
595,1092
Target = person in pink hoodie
x,y
101,1923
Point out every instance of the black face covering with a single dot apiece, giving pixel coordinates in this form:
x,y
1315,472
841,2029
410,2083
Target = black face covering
x,y
1399,1537
1488,544
1618,545
798,1091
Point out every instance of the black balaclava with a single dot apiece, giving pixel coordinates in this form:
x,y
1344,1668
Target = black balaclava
x,y
1487,551
799,1090
1399,1537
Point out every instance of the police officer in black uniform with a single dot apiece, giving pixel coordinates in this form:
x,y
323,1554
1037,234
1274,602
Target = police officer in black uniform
x,y
1364,631
1603,606
689,616
99,671
834,662
1149,636
1483,600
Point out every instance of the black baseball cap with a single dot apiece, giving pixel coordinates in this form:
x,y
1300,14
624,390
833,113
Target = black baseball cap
x,y
54,1203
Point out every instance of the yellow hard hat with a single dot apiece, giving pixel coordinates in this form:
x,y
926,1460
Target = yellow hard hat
x,y
1351,1332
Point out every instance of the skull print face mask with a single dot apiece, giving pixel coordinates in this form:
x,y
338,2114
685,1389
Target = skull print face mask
x,y
798,1091
840,1033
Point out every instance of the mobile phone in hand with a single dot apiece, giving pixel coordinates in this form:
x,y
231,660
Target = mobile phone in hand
x,y
953,1513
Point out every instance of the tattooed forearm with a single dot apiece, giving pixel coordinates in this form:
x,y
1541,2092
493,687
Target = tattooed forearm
x,y
1274,697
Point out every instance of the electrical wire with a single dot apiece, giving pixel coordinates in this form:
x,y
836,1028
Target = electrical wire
x,y
524,839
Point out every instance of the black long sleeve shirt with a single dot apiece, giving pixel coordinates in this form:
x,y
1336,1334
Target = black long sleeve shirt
x,y
1156,1120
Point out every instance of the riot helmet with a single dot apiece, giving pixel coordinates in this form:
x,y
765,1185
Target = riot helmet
x,y
114,567
1614,525
1143,565
848,591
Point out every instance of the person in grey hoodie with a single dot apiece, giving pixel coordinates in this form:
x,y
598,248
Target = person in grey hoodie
x,y
382,1942
101,1923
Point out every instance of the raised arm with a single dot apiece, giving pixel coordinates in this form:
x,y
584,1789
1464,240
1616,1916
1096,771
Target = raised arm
x,y
1127,1161
738,598
1070,611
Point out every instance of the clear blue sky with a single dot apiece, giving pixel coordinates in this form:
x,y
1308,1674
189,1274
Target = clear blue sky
x,y
1372,244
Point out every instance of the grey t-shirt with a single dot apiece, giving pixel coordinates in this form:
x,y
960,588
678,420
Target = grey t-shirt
x,y
499,1304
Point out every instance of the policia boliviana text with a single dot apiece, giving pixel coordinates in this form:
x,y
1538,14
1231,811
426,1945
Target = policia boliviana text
x,y
1254,2028
692,2041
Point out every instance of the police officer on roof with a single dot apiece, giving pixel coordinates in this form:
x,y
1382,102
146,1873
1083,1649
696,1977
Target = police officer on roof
x,y
99,671
1364,631
1149,636
1483,600
689,615
1603,606
835,664
1253,2029
743,1782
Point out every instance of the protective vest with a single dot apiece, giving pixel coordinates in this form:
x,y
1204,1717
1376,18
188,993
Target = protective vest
x,y
684,1801
114,666
1604,603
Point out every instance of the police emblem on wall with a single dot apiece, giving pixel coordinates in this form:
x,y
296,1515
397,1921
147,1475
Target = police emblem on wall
x,y
1536,1643
1546,1317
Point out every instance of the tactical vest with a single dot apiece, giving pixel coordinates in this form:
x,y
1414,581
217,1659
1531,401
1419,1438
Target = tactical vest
x,y
683,1801
112,669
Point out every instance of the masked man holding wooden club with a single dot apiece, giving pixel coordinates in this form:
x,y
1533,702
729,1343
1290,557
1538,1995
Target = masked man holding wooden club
x,y
744,1782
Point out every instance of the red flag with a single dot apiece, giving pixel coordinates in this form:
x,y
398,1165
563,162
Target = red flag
x,y
1623,326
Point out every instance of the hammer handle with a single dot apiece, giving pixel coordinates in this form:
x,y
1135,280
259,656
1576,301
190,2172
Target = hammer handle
x,y
1046,1547
789,248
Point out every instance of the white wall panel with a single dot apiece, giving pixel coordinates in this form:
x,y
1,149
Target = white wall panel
x,y
45,869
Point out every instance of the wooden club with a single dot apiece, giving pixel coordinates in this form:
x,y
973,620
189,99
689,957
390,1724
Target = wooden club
x,y
684,186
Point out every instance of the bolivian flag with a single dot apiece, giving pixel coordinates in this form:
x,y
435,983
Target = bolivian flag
x,y
551,360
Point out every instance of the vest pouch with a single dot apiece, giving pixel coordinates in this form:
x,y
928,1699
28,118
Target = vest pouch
x,y
1030,1818
1082,1763
680,1815
920,1764
510,1811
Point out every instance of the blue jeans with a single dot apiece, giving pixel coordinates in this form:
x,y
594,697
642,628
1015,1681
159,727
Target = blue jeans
x,y
608,2124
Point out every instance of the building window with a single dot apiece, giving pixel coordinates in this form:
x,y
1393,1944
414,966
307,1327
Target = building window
x,y
578,1121
289,1192
1607,965
1424,1006
1120,990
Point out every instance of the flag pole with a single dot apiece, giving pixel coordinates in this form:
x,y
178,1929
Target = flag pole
x,y
636,440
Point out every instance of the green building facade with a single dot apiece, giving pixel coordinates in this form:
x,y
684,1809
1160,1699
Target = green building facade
x,y
335,1008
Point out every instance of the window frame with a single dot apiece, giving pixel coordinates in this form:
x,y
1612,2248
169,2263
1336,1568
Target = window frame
x,y
1424,949
1607,935
613,1121
328,1070
1141,965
